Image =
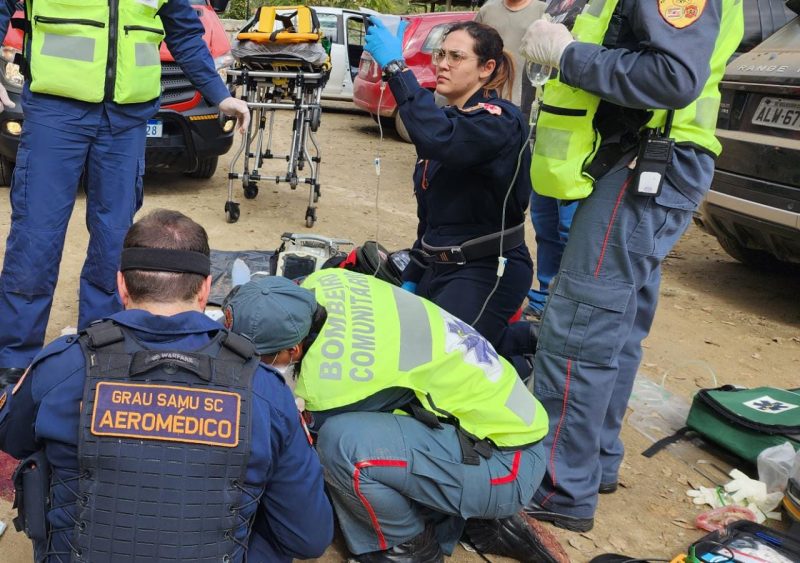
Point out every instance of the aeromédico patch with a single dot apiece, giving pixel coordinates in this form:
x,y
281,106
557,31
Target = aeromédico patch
x,y
162,412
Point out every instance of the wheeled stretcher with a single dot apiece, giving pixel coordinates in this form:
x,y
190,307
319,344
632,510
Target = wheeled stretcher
x,y
281,65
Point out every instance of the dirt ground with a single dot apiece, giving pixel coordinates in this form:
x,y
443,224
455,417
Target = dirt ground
x,y
715,315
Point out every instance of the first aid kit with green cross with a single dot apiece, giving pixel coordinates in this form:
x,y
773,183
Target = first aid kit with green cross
x,y
746,421
743,421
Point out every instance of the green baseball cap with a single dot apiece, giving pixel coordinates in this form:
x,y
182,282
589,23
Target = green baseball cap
x,y
272,311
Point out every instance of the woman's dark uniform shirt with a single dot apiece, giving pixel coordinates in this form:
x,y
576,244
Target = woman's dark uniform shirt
x,y
466,160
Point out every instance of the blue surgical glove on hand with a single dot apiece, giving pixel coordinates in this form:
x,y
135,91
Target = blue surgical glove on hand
x,y
381,44
409,286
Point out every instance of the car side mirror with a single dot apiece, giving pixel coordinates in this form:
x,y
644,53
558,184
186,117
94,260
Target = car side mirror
x,y
219,6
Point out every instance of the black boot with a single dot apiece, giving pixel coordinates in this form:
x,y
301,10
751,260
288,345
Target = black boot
x,y
517,537
422,549
10,376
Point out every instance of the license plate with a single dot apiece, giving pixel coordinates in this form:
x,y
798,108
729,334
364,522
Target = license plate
x,y
778,112
155,128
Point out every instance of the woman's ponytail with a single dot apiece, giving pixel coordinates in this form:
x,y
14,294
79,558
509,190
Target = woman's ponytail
x,y
502,79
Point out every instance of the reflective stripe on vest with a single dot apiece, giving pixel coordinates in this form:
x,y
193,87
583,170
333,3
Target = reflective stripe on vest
x,y
566,140
696,122
96,50
379,336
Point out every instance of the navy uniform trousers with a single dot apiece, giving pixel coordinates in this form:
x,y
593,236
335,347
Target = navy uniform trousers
x,y
463,291
600,308
389,476
50,160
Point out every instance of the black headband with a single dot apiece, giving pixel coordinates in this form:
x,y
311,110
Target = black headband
x,y
165,260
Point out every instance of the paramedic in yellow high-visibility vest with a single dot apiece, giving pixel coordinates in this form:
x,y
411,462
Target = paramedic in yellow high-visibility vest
x,y
93,78
627,129
424,431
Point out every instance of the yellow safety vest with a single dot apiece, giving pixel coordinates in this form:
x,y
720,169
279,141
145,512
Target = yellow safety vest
x,y
566,140
95,50
379,336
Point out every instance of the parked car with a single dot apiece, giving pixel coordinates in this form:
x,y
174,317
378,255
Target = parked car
x,y
187,134
345,30
753,207
422,36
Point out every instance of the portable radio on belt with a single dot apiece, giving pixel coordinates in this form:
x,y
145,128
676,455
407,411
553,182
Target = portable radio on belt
x,y
655,156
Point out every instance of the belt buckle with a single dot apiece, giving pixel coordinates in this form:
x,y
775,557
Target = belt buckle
x,y
458,254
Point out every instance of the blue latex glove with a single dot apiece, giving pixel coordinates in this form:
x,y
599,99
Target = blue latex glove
x,y
381,44
409,286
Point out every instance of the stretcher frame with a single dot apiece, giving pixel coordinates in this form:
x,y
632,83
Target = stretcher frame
x,y
265,92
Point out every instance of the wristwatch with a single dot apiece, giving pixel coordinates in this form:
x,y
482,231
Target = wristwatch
x,y
393,67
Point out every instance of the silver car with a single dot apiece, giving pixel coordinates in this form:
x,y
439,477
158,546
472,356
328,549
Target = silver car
x,y
345,30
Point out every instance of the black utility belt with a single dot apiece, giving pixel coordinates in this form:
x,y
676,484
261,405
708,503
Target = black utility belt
x,y
474,249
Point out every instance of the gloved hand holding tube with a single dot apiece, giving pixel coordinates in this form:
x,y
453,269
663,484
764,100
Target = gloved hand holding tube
x,y
544,42
384,46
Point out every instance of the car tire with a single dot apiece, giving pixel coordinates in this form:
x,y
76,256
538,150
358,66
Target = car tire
x,y
754,258
6,171
205,168
400,127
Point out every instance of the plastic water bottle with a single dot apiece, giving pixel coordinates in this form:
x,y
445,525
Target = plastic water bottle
x,y
391,22
538,74
240,273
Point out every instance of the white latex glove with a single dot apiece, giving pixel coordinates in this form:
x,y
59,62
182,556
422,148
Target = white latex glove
x,y
544,42
234,107
743,487
753,494
706,495
5,101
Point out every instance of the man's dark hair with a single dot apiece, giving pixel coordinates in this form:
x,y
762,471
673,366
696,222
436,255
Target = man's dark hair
x,y
164,228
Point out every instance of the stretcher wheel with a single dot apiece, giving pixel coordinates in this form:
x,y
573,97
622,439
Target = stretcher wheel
x,y
231,211
251,190
311,217
293,181
316,114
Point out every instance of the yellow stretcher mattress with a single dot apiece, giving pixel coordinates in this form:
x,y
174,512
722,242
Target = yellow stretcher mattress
x,y
283,25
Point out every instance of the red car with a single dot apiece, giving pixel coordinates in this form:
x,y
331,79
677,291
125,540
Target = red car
x,y
422,36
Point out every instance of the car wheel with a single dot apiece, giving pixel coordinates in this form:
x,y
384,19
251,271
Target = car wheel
x,y
205,168
400,127
6,171
753,258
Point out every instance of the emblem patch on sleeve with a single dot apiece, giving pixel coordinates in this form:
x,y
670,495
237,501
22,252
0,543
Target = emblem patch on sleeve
x,y
491,108
681,13
172,414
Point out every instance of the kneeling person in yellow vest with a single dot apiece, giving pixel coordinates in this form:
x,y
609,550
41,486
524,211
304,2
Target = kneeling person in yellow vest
x,y
422,427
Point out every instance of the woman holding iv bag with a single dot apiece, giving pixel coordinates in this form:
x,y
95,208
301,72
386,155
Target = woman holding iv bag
x,y
471,180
